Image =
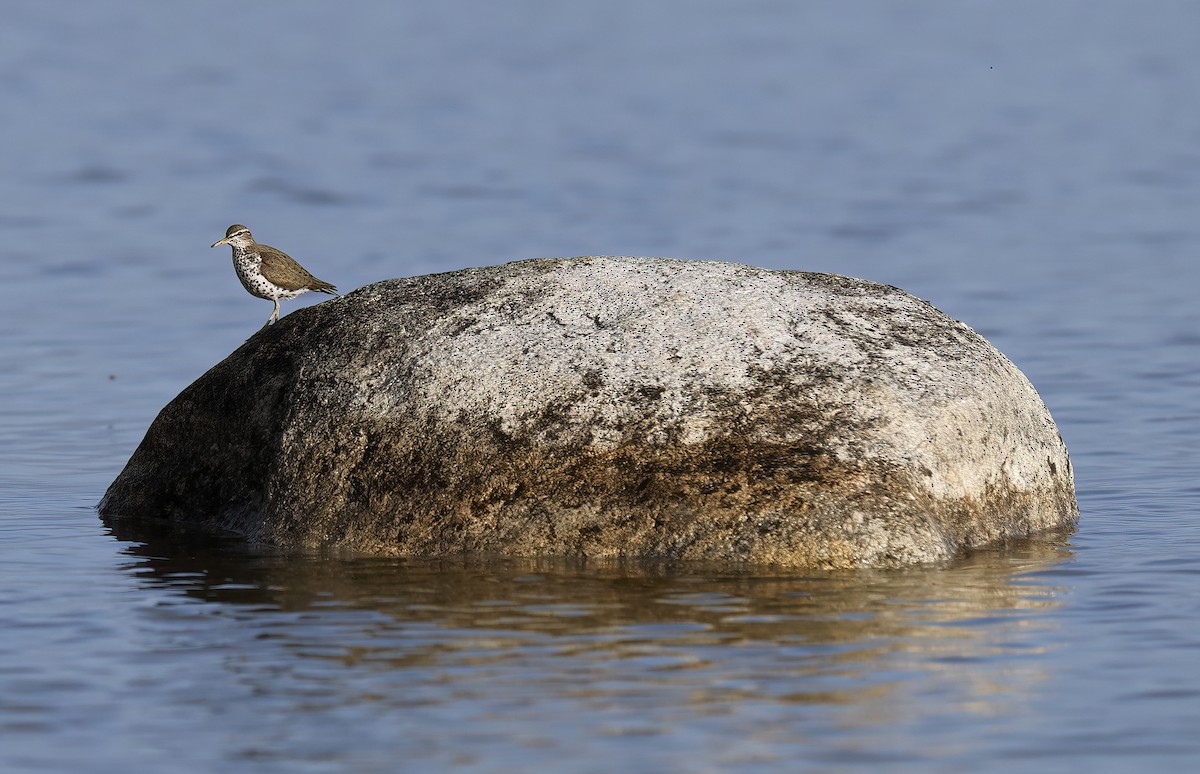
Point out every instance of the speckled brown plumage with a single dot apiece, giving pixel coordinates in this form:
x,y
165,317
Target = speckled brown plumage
x,y
269,273
280,269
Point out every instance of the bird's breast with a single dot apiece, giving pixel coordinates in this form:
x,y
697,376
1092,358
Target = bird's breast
x,y
248,268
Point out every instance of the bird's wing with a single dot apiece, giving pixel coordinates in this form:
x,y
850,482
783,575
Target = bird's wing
x,y
278,267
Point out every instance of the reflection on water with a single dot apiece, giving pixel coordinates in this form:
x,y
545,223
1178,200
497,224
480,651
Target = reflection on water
x,y
559,653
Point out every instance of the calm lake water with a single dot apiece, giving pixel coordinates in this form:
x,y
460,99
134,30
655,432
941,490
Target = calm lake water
x,y
1031,168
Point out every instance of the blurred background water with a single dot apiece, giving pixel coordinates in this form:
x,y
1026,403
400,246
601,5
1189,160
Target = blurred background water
x,y
1031,168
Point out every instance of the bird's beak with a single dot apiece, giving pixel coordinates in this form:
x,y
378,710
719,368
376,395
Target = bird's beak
x,y
224,241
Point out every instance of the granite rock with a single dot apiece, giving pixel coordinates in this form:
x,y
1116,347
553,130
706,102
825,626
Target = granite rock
x,y
612,407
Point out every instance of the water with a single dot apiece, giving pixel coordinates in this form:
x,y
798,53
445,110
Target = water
x,y
1030,168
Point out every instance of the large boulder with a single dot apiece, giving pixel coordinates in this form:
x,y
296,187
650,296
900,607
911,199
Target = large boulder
x,y
612,407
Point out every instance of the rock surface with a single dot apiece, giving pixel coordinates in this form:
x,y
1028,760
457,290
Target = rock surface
x,y
612,407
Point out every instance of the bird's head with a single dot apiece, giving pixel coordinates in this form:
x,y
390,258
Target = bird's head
x,y
236,235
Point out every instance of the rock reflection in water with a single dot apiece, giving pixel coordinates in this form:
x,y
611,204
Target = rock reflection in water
x,y
523,646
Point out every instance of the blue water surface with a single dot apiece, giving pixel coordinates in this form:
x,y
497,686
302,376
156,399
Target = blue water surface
x,y
1031,168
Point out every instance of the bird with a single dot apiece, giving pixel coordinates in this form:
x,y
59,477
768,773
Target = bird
x,y
269,273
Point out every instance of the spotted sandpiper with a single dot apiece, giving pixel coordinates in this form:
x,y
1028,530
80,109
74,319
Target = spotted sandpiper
x,y
269,273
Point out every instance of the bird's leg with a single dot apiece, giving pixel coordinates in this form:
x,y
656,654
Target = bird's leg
x,y
274,315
